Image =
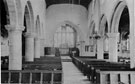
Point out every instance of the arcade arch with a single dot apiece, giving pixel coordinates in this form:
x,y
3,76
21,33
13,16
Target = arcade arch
x,y
121,26
103,30
28,34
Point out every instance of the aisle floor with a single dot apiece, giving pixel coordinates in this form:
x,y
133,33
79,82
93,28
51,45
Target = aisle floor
x,y
72,75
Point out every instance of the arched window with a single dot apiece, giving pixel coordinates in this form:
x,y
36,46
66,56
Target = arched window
x,y
64,37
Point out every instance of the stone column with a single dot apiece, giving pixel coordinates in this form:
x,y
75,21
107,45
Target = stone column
x,y
113,46
15,46
131,8
82,47
37,47
29,47
100,49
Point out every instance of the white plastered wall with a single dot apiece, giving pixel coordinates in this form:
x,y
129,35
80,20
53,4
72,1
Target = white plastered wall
x,y
57,14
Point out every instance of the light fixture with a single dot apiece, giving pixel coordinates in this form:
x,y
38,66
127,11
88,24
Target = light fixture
x,y
96,36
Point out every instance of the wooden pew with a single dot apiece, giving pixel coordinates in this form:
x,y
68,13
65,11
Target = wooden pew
x,y
4,62
42,67
31,77
44,63
115,77
89,66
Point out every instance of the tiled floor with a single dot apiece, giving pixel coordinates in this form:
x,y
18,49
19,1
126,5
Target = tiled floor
x,y
72,75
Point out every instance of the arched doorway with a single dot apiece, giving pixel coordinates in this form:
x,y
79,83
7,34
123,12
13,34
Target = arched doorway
x,y
65,38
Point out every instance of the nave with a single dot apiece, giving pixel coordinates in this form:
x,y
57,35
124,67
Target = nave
x,y
97,35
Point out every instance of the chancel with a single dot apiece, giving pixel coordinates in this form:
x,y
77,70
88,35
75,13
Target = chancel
x,y
67,41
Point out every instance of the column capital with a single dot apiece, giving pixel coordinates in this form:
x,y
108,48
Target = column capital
x,y
14,27
112,35
30,35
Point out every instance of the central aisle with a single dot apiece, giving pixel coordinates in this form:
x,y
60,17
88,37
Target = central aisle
x,y
72,75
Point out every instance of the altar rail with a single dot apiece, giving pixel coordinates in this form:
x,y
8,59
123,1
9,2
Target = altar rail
x,y
31,77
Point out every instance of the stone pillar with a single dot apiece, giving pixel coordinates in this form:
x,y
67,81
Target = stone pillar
x,y
131,8
113,46
100,51
132,47
37,48
82,48
15,46
29,47
106,45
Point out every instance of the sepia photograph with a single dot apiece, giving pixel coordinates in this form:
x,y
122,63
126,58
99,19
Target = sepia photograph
x,y
67,41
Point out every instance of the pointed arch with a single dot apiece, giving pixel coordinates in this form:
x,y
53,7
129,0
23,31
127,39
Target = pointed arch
x,y
103,25
29,16
38,28
116,15
92,28
11,8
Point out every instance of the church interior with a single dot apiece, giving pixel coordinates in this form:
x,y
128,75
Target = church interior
x,y
67,41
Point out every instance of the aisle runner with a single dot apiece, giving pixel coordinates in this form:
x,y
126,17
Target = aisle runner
x,y
72,75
